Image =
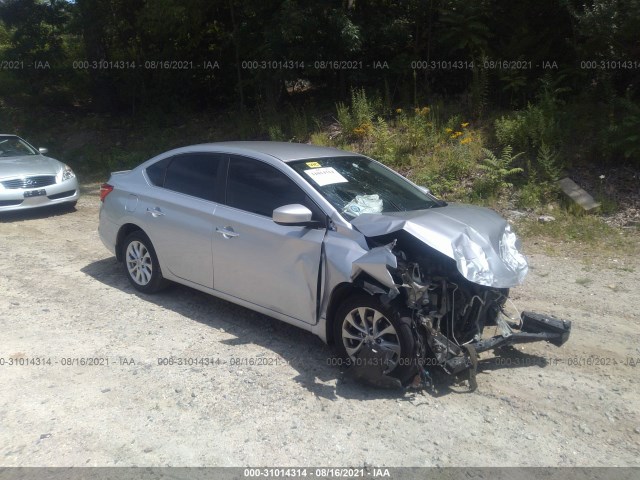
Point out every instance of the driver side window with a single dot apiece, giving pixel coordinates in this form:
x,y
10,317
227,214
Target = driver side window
x,y
256,187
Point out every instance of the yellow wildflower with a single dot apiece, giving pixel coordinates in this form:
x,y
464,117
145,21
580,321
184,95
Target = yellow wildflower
x,y
464,141
448,130
363,129
398,110
465,125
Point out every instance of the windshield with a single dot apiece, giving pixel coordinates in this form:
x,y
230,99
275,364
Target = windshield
x,y
357,185
15,147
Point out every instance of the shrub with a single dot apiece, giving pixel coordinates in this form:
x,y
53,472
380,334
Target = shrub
x,y
356,119
623,134
528,129
549,165
497,171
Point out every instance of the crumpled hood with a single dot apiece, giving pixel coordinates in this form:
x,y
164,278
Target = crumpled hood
x,y
28,165
481,242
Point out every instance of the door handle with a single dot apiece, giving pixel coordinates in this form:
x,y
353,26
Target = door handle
x,y
227,232
155,213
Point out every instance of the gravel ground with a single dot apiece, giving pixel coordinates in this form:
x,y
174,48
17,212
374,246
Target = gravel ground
x,y
63,297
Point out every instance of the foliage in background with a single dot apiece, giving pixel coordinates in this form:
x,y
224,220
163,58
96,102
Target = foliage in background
x,y
497,172
263,46
420,85
622,136
418,141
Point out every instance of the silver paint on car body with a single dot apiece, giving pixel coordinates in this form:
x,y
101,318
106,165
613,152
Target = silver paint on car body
x,y
21,167
28,165
266,263
479,240
300,261
289,214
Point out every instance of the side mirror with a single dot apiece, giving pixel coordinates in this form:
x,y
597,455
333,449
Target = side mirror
x,y
43,151
424,190
294,215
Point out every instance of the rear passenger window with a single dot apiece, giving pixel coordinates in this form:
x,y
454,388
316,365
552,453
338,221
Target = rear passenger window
x,y
194,174
259,188
156,172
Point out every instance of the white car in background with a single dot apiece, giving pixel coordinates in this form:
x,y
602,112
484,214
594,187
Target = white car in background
x,y
29,179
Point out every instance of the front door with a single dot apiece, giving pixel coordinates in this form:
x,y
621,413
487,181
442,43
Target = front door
x,y
254,258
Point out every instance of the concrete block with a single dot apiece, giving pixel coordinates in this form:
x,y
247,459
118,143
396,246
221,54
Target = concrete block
x,y
577,194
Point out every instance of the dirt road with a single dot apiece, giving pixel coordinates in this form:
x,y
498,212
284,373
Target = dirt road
x,y
86,378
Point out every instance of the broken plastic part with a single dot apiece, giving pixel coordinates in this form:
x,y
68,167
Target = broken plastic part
x,y
539,323
376,262
535,328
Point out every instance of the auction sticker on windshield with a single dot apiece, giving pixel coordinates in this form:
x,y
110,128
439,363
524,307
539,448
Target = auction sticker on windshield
x,y
325,176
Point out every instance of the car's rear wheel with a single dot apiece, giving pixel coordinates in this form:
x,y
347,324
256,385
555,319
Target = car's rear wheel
x,y
141,263
364,321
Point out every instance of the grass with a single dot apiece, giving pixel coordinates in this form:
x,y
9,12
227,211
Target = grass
x,y
580,235
434,145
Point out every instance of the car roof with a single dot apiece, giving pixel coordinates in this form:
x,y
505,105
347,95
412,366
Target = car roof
x,y
284,151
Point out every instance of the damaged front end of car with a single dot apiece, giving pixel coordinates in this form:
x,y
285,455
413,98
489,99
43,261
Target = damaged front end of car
x,y
447,272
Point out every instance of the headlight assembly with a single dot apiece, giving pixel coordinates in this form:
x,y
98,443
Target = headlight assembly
x,y
67,173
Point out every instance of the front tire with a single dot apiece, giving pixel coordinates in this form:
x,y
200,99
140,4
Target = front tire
x,y
141,263
363,319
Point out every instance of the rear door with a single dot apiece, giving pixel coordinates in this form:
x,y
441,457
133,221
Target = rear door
x,y
180,214
257,260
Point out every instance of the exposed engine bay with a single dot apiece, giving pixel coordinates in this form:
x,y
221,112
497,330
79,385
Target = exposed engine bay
x,y
448,315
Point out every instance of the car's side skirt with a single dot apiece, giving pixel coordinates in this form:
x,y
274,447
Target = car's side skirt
x,y
318,329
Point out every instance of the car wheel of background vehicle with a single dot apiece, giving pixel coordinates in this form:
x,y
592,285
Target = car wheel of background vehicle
x,y
141,263
363,319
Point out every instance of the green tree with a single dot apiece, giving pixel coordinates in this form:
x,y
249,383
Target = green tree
x,y
34,32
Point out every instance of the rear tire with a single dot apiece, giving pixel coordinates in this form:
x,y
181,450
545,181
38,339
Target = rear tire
x,y
363,319
141,263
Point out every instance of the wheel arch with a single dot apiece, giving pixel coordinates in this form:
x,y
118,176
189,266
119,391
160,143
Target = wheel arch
x,y
124,231
344,290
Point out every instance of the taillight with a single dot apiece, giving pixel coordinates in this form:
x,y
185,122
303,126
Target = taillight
x,y
105,189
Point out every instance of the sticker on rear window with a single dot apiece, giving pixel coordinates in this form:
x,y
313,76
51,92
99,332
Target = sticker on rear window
x,y
313,165
325,176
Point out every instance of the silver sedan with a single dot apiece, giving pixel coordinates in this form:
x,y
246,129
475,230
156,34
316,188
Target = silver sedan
x,y
332,242
29,179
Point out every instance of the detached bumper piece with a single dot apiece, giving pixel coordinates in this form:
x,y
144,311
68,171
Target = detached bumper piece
x,y
461,361
535,327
